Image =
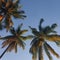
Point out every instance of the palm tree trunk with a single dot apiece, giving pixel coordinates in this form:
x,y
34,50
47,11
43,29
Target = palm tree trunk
x,y
40,53
5,50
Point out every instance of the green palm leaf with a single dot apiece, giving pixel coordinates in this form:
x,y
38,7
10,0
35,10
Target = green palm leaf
x,y
48,30
33,41
19,28
34,31
33,51
22,32
34,57
19,16
51,50
16,4
7,37
34,47
21,43
26,37
57,43
53,26
11,47
40,56
47,52
6,50
53,37
40,27
15,47
12,31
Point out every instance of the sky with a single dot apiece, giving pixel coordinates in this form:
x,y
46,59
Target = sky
x,y
49,10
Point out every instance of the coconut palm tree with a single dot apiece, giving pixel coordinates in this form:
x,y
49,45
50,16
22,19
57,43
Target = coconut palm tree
x,y
16,38
9,9
40,39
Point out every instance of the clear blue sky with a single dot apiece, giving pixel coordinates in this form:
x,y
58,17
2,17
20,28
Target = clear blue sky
x,y
35,10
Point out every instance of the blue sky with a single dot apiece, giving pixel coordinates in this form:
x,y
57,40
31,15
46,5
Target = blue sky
x,y
49,10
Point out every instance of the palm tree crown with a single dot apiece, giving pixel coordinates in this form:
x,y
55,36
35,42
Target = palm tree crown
x,y
9,8
40,40
16,38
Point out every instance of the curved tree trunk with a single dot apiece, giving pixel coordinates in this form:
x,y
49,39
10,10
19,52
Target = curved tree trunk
x,y
5,50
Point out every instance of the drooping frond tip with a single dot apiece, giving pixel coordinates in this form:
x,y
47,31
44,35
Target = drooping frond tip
x,y
20,26
33,29
54,25
30,27
57,43
41,20
40,24
52,50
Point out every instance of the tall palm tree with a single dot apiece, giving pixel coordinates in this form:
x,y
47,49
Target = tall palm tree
x,y
16,38
40,39
9,8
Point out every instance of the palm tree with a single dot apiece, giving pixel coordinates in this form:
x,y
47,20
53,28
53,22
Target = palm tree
x,y
16,38
9,8
40,39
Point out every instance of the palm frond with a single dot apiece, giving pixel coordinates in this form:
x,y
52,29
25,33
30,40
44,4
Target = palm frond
x,y
16,4
33,51
22,32
8,22
53,37
57,43
21,43
34,57
5,43
11,47
21,16
15,47
53,26
40,56
34,31
34,47
40,24
19,28
47,30
13,31
40,42
33,41
5,50
26,37
8,4
47,52
52,50
7,37
18,12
